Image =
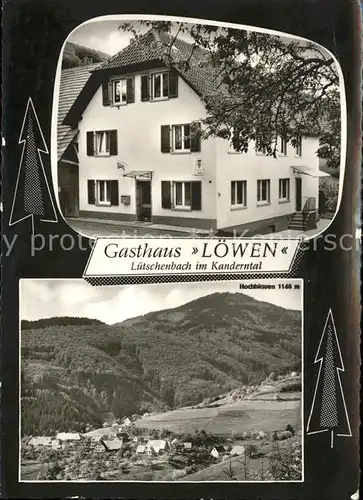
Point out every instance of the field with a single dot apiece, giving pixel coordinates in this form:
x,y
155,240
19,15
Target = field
x,y
220,420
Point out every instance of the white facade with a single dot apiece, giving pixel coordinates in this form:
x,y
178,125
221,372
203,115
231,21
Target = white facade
x,y
138,125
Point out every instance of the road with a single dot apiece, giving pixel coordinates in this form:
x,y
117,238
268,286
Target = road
x,y
93,229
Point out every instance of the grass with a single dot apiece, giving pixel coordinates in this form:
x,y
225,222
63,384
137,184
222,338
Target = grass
x,y
247,415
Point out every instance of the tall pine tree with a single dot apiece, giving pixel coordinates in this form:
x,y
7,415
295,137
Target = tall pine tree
x,y
329,412
32,197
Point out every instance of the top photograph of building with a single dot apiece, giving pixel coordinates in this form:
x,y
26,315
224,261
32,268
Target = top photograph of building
x,y
177,128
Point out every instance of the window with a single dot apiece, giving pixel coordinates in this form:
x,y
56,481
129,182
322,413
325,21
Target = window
x,y
238,194
160,85
283,146
102,143
184,138
103,192
181,137
181,195
119,91
261,147
263,191
298,147
234,136
157,86
284,189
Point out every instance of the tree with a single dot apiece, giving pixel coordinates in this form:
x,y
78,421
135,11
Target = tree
x,y
32,197
264,86
328,411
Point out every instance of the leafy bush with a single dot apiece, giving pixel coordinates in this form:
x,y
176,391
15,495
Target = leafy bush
x,y
328,195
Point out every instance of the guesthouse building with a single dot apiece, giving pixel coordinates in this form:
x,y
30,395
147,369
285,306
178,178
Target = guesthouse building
x,y
132,134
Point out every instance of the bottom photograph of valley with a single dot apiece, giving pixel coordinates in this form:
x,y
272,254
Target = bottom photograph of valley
x,y
161,382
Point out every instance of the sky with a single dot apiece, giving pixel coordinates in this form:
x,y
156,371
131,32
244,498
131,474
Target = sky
x,y
105,36
47,298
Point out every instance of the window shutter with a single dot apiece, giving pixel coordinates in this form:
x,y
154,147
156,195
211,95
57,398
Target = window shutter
x,y
196,195
145,88
130,91
106,94
114,193
165,194
165,138
173,83
195,132
113,142
90,144
91,192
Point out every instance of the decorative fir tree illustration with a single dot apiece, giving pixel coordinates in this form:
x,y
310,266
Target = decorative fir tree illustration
x,y
32,197
329,412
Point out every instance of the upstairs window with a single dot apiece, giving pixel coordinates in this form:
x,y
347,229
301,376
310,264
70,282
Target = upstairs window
x,y
298,147
160,85
118,92
181,137
263,191
283,146
261,147
102,143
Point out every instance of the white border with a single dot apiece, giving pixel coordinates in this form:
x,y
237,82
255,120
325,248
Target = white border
x,y
35,481
147,17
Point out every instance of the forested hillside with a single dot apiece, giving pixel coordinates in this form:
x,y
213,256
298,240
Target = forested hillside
x,y
77,374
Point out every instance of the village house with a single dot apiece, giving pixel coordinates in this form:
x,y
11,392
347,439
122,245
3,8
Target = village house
x,y
157,445
39,441
108,445
68,436
187,445
217,451
107,111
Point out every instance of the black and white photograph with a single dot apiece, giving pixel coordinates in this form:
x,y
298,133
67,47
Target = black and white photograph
x,y
172,127
195,382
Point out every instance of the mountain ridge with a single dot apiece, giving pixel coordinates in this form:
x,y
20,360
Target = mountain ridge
x,y
165,359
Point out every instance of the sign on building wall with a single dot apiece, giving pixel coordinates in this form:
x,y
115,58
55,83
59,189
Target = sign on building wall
x,y
199,167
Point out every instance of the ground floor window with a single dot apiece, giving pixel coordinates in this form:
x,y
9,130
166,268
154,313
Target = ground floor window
x,y
284,189
238,194
103,192
181,195
263,191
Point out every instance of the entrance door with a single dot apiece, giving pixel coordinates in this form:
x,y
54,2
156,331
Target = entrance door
x,y
143,201
68,189
298,184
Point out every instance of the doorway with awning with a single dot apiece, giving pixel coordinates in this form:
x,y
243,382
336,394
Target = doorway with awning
x,y
143,179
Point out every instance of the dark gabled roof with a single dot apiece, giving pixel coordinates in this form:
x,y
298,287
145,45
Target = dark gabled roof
x,y
145,52
72,82
150,47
